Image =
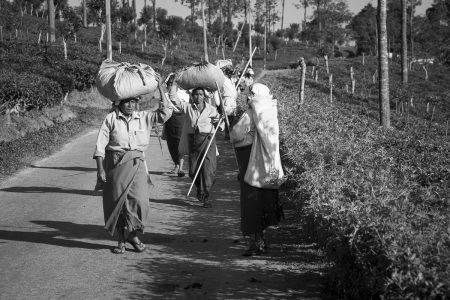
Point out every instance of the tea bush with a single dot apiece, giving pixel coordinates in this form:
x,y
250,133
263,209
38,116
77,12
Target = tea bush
x,y
376,198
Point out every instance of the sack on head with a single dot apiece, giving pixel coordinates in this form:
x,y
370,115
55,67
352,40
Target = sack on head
x,y
122,80
203,75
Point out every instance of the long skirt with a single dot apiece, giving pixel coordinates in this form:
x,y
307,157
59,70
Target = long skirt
x,y
260,207
206,177
126,192
173,129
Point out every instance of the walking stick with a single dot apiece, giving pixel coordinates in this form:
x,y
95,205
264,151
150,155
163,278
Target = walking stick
x,y
227,122
246,66
204,156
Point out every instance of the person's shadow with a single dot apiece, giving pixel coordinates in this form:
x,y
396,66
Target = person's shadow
x,y
64,235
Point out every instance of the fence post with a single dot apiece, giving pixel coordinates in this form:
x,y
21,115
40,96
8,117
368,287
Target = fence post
x,y
326,63
302,80
330,81
65,48
39,37
352,78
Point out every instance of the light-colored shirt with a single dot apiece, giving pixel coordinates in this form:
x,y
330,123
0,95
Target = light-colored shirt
x,y
196,120
119,133
229,95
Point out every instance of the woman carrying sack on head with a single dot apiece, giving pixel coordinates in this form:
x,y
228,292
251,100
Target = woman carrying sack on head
x,y
256,140
200,121
119,153
174,127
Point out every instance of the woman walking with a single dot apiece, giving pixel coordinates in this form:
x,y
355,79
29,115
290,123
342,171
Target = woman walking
x,y
173,129
201,117
256,140
119,153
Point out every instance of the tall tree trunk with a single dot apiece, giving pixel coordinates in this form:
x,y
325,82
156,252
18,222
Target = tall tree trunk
x,y
282,13
383,66
108,30
229,11
411,36
305,4
134,14
84,14
51,20
265,35
404,45
154,14
192,13
205,43
209,14
221,18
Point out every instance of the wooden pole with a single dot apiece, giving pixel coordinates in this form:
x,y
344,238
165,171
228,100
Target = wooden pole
x,y
302,80
205,42
108,30
326,63
65,48
239,35
246,66
1,33
352,78
330,81
250,31
265,36
204,156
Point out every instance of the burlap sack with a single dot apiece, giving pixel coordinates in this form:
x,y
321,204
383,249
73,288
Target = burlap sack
x,y
122,80
203,75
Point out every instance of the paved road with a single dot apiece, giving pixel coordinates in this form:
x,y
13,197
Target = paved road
x,y
53,245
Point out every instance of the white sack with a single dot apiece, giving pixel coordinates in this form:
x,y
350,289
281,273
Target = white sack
x,y
203,75
122,80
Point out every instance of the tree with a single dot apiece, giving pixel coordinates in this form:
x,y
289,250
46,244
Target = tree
x,y
413,4
84,14
192,5
51,20
404,45
334,16
293,31
364,26
305,4
383,66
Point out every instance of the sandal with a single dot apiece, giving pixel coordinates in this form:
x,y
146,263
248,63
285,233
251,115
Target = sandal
x,y
137,244
119,249
181,173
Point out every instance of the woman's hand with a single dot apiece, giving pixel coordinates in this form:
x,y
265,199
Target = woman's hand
x,y
101,175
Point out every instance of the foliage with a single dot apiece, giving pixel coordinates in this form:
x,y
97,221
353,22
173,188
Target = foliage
x,y
27,90
377,199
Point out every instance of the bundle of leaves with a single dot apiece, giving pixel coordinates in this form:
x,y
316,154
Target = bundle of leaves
x,y
27,90
377,199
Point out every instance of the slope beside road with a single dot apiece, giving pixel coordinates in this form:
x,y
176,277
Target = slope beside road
x,y
53,245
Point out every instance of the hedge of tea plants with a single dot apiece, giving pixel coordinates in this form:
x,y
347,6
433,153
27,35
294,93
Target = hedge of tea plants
x,y
377,199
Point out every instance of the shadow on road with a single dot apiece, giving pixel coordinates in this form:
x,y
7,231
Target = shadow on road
x,y
74,168
49,189
64,235
204,261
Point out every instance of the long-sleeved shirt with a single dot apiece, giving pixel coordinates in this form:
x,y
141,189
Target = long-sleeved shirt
x,y
229,95
119,133
196,120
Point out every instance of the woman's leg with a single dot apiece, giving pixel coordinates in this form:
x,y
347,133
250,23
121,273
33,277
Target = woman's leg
x,y
180,171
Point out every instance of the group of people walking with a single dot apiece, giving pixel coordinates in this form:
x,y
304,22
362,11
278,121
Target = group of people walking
x,y
191,119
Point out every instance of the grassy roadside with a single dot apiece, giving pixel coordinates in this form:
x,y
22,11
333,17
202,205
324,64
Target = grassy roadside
x,y
20,153
375,199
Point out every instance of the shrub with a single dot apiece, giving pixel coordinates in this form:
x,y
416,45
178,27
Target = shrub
x,y
28,90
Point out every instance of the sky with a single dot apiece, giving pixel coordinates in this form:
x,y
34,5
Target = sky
x,y
291,13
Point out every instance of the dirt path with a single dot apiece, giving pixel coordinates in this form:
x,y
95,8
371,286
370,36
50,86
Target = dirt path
x,y
53,245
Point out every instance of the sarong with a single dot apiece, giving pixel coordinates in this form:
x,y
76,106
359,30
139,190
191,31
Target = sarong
x,y
126,192
260,207
206,177
173,129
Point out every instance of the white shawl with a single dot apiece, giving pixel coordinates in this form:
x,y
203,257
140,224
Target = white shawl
x,y
264,168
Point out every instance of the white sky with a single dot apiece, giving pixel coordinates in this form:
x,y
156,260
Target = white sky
x,y
291,13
